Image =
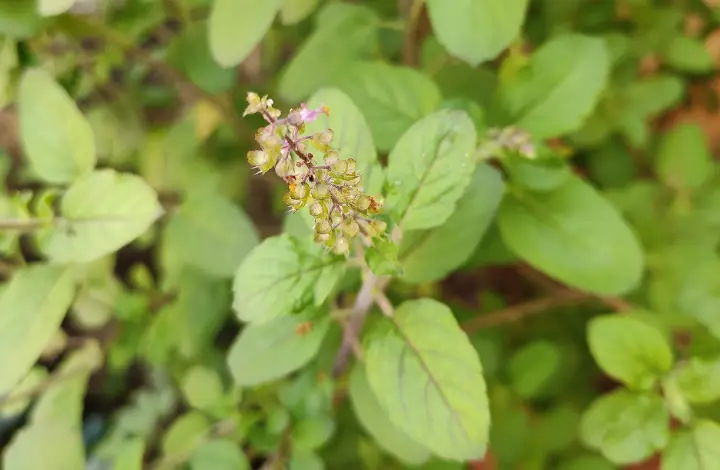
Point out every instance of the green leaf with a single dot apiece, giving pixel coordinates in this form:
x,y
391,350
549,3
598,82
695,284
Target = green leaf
x,y
351,134
57,139
266,352
31,310
382,258
100,213
694,449
55,445
545,173
376,423
202,387
532,368
305,461
219,454
391,97
626,427
429,169
688,55
588,462
18,400
185,434
431,255
560,87
344,34
54,7
275,277
63,401
312,433
428,378
237,26
699,379
130,455
211,233
20,19
476,30
574,235
630,350
684,161
294,11
325,285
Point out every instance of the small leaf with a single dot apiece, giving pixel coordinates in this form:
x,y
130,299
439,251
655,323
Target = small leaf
x,y
54,7
130,455
326,282
574,235
427,377
476,30
630,350
268,351
20,20
305,461
382,258
626,427
202,388
101,213
312,433
211,233
567,65
185,433
294,11
532,368
219,454
344,34
57,139
391,98
688,55
55,445
684,160
275,277
699,379
376,423
237,26
429,169
431,255
694,449
31,310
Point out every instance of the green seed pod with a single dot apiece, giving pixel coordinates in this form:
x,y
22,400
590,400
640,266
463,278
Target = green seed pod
x,y
331,158
285,167
367,229
300,191
354,181
341,246
323,227
351,228
322,237
351,166
320,191
317,209
336,219
338,168
337,195
362,203
379,225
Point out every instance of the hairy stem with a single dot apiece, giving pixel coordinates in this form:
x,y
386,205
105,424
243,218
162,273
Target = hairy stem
x,y
363,302
21,225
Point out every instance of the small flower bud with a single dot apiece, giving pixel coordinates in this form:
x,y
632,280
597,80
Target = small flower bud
x,y
351,228
316,209
362,203
320,191
323,226
342,246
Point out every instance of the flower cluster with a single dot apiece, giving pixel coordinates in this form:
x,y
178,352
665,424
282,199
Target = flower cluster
x,y
508,139
331,190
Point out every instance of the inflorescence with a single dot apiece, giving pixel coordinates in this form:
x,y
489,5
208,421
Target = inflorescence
x,y
331,190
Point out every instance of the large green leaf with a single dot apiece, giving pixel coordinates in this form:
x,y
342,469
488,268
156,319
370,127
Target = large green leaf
x,y
684,161
55,445
375,421
271,350
432,254
476,30
211,233
428,378
237,26
277,277
219,454
344,33
429,169
694,449
57,139
560,87
575,235
626,427
31,310
99,214
629,349
391,97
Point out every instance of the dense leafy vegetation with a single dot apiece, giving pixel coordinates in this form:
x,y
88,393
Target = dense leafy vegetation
x,y
375,234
